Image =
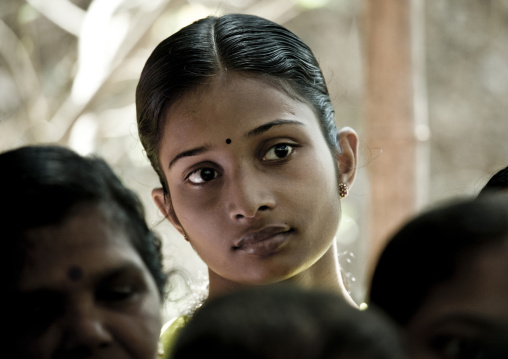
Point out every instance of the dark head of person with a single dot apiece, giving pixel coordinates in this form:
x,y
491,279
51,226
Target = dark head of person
x,y
432,279
45,186
497,183
286,322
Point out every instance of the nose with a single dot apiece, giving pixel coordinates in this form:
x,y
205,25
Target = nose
x,y
86,330
249,194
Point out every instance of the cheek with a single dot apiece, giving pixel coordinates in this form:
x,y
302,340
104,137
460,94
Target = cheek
x,y
188,202
139,331
201,213
318,193
316,178
151,316
197,211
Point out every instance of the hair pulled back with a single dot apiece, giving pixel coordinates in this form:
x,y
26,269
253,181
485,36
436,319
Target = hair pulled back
x,y
235,42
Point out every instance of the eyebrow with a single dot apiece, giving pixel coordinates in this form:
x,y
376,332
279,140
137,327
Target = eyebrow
x,y
263,128
192,152
254,132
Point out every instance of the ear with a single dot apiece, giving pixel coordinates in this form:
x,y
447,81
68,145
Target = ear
x,y
164,204
348,157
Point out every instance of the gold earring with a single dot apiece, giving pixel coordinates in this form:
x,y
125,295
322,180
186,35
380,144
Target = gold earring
x,y
343,190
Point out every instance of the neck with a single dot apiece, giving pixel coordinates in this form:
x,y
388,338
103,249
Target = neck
x,y
324,275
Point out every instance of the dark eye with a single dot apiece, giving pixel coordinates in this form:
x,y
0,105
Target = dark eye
x,y
278,152
203,175
117,293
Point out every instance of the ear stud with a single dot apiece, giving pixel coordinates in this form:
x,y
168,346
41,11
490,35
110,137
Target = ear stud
x,y
343,190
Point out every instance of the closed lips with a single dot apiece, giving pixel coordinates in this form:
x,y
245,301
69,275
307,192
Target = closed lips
x,y
259,236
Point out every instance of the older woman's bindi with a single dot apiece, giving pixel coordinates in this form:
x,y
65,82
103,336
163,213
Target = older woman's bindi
x,y
228,141
75,273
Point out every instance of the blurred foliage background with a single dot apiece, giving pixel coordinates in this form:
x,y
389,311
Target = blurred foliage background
x,y
69,68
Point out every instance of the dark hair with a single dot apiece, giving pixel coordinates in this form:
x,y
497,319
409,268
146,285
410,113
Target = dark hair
x,y
498,182
235,42
44,185
427,250
286,322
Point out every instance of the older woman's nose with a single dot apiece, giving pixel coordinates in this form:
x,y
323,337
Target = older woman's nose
x,y
86,329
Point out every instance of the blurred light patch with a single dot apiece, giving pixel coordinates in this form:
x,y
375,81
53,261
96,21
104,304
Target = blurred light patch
x,y
225,3
348,230
82,136
27,14
148,6
312,4
61,12
117,122
363,306
10,98
494,73
422,132
100,37
169,22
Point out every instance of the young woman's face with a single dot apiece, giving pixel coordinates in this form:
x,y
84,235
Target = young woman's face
x,y
467,316
86,293
251,179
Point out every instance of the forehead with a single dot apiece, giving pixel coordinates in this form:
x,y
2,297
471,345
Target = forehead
x,y
244,89
89,240
233,102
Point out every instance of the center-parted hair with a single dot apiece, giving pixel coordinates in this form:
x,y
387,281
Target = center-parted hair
x,y
212,46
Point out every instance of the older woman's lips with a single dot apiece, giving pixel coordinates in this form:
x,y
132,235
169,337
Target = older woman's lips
x,y
265,242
